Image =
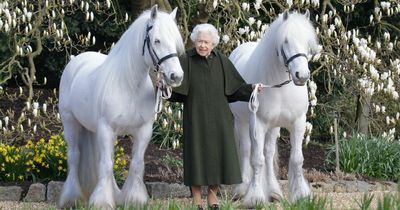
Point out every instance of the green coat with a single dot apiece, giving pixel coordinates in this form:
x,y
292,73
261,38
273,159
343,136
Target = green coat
x,y
209,84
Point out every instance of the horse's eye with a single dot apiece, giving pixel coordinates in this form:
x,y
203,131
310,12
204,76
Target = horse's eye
x,y
157,41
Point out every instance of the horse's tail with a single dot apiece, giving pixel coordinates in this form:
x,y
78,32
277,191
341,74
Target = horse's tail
x,y
88,162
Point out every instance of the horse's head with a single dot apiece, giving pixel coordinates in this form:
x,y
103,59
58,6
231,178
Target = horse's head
x,y
297,46
162,45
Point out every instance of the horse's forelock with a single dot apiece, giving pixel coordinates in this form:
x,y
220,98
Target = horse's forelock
x,y
297,27
168,29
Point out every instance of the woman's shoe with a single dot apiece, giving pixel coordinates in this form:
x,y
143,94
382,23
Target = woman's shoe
x,y
213,207
200,207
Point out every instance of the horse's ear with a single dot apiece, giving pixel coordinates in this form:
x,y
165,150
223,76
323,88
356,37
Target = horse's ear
x,y
154,11
285,15
307,14
173,13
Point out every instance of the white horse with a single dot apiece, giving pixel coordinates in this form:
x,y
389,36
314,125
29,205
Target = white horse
x,y
102,96
286,47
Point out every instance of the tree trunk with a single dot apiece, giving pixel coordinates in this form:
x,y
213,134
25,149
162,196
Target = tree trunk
x,y
363,113
138,6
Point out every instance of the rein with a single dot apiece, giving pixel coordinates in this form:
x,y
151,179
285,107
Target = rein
x,y
164,91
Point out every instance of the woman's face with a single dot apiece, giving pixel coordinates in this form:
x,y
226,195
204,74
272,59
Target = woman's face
x,y
204,43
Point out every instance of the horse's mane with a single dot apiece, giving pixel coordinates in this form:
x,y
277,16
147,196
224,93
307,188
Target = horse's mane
x,y
295,27
125,65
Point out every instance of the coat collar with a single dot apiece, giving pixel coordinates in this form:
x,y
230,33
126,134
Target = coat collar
x,y
192,52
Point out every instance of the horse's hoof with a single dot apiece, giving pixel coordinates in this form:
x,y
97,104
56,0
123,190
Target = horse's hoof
x,y
275,197
237,197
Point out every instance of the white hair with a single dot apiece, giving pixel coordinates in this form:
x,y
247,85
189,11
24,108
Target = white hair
x,y
205,27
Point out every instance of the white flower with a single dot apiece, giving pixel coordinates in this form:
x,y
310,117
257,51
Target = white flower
x,y
307,140
395,95
34,129
344,134
257,5
242,31
44,107
164,123
108,4
174,144
245,6
377,109
251,21
87,6
6,119
387,120
215,4
289,3
225,38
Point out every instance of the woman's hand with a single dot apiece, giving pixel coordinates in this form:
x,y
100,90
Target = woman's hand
x,y
259,87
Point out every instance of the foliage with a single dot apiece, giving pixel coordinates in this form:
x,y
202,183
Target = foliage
x,y
371,156
22,120
168,128
28,28
43,161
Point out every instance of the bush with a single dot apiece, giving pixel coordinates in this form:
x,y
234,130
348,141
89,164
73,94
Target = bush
x,y
167,129
43,161
371,156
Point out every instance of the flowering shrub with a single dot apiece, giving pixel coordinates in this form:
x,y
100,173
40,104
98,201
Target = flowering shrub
x,y
43,160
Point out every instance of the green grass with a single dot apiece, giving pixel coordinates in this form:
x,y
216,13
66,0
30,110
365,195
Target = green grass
x,y
370,156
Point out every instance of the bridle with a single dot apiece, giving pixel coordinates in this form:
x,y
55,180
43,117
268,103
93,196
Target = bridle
x,y
154,57
287,61
164,91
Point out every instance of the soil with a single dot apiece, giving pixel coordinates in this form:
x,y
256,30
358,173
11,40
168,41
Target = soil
x,y
157,167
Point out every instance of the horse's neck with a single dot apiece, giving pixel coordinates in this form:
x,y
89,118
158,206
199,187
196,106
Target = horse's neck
x,y
125,74
266,64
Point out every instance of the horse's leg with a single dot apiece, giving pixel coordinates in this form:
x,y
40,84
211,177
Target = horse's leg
x,y
71,191
103,194
244,142
255,192
298,186
134,189
274,190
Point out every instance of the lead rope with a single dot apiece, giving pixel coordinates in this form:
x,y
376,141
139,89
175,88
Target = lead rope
x,y
254,104
163,92
253,107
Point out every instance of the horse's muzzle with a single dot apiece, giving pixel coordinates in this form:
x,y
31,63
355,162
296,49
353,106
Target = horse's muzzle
x,y
300,79
174,79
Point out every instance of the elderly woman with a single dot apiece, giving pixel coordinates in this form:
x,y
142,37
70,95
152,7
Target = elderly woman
x,y
210,83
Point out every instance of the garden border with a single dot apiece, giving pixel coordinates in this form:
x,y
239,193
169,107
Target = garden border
x,y
39,192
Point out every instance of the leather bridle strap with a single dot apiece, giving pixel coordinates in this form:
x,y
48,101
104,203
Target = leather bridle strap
x,y
154,57
287,61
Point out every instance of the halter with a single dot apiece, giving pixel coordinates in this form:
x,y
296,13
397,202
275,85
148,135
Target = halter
x,y
165,91
154,57
287,61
